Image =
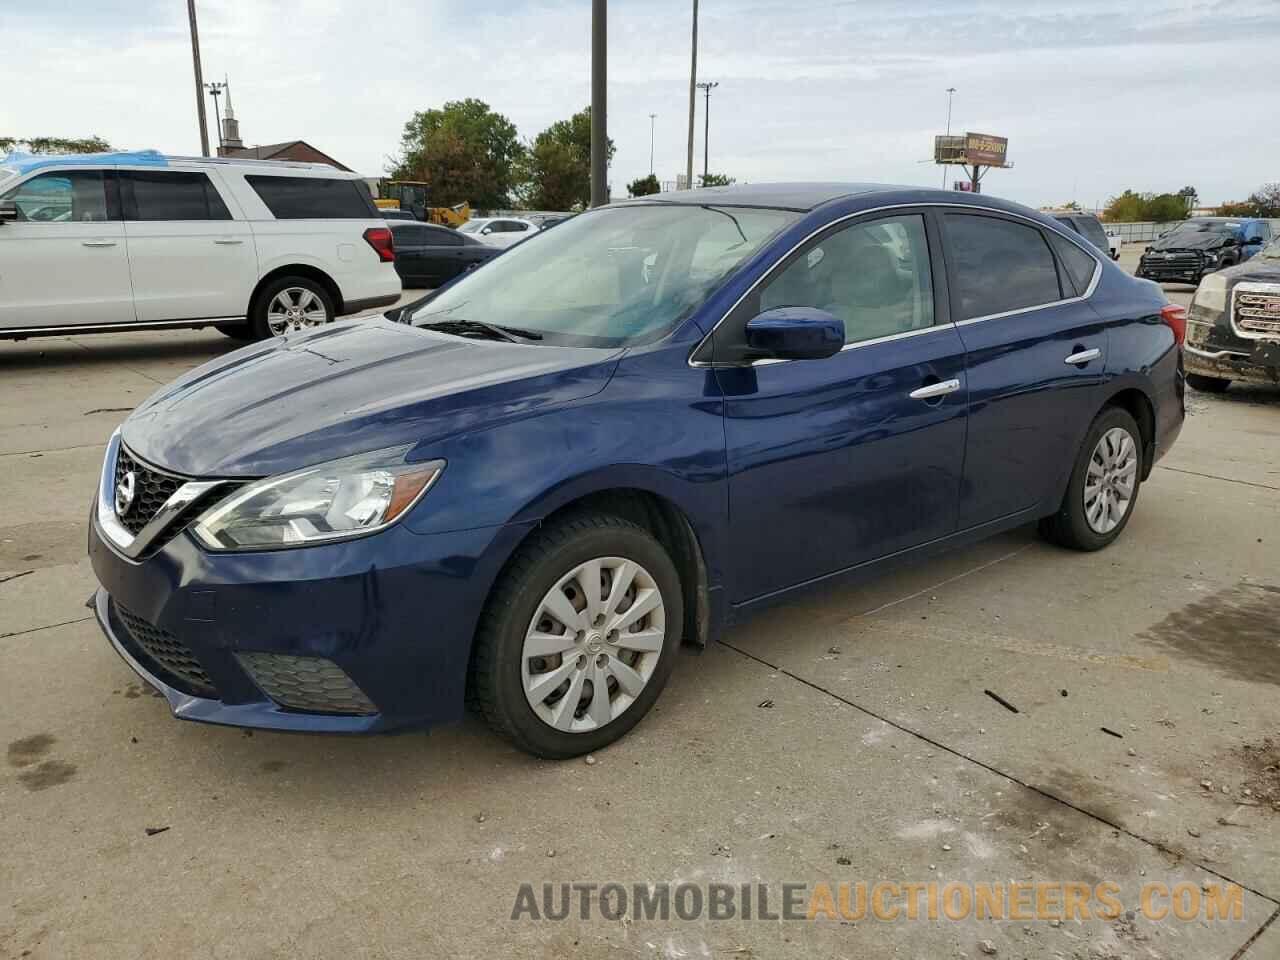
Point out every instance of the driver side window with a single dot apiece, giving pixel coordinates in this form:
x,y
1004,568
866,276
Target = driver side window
x,y
76,196
874,276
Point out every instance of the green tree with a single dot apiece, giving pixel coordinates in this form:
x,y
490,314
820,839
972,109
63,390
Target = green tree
x,y
465,151
55,144
1161,207
644,186
1130,207
715,180
1263,202
557,169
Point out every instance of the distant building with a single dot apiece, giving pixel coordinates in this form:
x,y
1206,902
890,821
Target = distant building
x,y
298,150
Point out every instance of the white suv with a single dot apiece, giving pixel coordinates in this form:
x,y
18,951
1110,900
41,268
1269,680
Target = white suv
x,y
120,241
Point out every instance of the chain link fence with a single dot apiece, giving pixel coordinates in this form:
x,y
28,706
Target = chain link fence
x,y
1146,231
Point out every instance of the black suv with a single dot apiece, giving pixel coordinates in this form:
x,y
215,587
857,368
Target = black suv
x,y
1088,226
1202,245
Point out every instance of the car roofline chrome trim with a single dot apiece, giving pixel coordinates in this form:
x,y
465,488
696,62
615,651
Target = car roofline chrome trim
x,y
127,544
1055,228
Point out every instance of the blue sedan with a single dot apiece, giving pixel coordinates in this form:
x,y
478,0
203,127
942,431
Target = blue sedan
x,y
531,487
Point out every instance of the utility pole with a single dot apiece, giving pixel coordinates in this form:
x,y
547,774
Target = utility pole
x,y
195,58
951,92
652,116
693,93
215,91
599,106
706,136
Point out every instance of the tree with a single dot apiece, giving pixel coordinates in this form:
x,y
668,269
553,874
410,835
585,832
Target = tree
x,y
644,186
465,151
715,180
1263,202
55,144
557,169
1137,207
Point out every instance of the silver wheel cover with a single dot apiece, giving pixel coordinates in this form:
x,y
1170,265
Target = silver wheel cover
x,y
295,308
593,644
1111,480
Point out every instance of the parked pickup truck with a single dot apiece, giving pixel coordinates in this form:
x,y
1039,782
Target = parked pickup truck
x,y
1202,245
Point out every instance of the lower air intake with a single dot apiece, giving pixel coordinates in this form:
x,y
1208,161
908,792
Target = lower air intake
x,y
313,684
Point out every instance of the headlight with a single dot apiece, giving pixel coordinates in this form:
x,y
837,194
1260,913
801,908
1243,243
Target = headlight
x,y
1212,293
330,501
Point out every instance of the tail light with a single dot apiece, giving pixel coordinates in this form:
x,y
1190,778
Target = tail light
x,y
383,245
1175,317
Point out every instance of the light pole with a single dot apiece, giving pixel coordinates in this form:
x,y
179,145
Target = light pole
x,y
951,92
195,58
693,93
599,105
707,87
652,116
215,91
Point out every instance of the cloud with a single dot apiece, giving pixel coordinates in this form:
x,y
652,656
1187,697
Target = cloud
x,y
1094,96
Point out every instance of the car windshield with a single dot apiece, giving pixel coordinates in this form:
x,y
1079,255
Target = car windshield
x,y
1207,226
613,277
7,173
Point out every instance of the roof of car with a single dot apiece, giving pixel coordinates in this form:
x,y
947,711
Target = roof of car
x,y
24,163
809,196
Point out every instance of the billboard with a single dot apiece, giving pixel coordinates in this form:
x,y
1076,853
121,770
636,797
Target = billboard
x,y
981,149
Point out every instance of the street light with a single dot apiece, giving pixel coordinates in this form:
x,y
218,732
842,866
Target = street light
x,y
706,87
215,91
651,119
951,92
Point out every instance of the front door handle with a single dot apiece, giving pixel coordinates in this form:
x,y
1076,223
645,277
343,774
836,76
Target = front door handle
x,y
935,390
1084,356
229,242
97,243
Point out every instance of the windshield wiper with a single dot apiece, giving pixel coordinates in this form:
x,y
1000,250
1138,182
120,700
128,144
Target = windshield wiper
x,y
459,326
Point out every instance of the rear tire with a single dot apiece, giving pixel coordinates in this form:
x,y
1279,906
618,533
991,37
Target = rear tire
x,y
1104,485
1207,384
524,691
289,304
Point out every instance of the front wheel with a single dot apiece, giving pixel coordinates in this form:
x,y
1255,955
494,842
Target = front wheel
x,y
289,305
1104,485
579,636
1205,384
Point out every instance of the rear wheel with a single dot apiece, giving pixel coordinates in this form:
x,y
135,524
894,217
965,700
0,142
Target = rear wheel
x,y
289,305
1104,485
1207,384
579,636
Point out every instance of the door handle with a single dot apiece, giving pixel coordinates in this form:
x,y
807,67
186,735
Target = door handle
x,y
97,243
229,242
1084,356
935,390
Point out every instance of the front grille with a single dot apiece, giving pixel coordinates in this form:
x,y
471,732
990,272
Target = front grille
x,y
1177,263
1258,313
152,489
180,667
313,684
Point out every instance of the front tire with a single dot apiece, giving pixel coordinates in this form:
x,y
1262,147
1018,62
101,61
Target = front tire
x,y
1205,384
1104,485
578,637
289,305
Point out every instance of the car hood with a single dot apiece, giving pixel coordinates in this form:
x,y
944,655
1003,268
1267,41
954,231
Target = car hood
x,y
1264,269
1189,241
349,388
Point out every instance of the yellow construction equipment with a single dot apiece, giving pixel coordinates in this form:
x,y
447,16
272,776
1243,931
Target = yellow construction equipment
x,y
412,195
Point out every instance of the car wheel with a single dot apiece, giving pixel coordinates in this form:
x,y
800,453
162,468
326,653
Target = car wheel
x,y
1207,384
578,637
287,305
1104,485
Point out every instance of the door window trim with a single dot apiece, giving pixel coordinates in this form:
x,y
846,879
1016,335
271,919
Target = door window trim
x,y
934,230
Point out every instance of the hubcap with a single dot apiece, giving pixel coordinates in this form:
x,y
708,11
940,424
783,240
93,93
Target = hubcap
x,y
295,308
593,644
1110,482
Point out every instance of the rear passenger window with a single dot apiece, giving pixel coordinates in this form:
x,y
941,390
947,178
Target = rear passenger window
x,y
1077,265
313,198
441,237
1093,232
873,276
173,196
998,266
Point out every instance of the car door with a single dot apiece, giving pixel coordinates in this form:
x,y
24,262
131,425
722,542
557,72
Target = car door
x,y
63,260
836,462
443,249
188,256
410,247
1036,357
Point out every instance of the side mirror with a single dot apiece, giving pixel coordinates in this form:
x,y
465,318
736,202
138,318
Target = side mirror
x,y
1252,241
486,231
796,333
8,211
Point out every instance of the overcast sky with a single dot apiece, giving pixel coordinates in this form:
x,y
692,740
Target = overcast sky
x,y
1094,95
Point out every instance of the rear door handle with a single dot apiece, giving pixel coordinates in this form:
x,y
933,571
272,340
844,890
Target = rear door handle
x,y
229,242
935,390
1084,356
97,243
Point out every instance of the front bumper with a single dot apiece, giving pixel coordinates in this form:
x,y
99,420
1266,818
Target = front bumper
x,y
1257,363
1182,270
394,613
